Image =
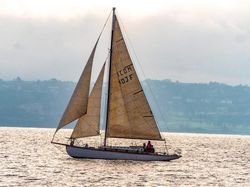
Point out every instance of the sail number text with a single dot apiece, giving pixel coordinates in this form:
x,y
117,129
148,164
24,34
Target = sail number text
x,y
126,74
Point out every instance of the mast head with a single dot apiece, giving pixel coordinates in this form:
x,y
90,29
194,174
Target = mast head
x,y
113,9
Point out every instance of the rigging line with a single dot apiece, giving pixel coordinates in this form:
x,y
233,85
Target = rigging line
x,y
143,74
105,24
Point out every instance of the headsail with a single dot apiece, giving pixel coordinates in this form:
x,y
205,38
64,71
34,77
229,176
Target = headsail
x,y
77,106
89,124
129,114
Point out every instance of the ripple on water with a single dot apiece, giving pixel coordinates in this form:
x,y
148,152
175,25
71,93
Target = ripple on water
x,y
208,160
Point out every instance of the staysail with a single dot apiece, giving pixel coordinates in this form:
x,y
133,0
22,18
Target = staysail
x,y
89,124
78,103
129,114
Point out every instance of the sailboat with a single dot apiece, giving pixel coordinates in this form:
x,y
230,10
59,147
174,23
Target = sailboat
x,y
128,113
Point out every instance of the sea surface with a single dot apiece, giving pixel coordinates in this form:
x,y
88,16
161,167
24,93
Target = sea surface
x,y
27,158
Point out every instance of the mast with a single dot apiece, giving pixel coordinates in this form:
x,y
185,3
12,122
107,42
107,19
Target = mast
x,y
109,78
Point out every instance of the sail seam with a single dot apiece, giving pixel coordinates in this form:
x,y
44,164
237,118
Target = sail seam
x,y
119,40
137,92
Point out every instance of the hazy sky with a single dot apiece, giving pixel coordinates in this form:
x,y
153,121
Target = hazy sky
x,y
185,40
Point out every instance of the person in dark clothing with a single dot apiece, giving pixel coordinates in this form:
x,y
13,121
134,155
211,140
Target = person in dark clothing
x,y
150,148
149,145
144,147
72,141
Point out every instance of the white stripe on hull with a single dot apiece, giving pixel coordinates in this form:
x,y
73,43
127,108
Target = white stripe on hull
x,y
91,153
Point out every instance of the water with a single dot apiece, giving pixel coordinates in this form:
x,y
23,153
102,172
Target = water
x,y
28,159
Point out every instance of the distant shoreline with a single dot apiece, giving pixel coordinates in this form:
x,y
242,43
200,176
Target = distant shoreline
x,y
212,108
170,132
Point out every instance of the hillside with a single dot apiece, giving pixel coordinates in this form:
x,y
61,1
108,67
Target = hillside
x,y
185,107
209,108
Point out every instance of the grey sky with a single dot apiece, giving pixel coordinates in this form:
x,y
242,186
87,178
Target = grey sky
x,y
190,41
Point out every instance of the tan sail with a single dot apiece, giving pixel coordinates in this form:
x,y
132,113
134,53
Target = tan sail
x,y
89,124
77,106
130,115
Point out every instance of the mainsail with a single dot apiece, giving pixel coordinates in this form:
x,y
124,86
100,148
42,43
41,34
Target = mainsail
x,y
129,114
78,103
89,124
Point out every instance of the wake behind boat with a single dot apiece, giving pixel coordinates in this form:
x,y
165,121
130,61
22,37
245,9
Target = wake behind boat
x,y
128,114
